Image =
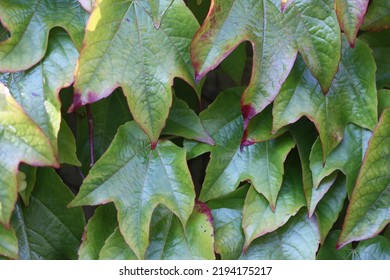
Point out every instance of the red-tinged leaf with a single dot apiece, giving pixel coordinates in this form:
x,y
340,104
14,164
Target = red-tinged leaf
x,y
21,140
350,14
29,22
276,38
123,48
137,179
369,208
352,97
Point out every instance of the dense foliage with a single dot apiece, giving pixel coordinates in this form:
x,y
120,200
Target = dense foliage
x,y
171,129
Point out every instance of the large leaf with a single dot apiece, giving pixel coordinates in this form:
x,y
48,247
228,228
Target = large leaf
x,y
123,48
37,89
378,16
8,242
296,240
258,218
275,36
351,98
230,164
168,240
47,229
347,157
21,140
99,228
369,209
350,14
377,248
137,179
29,22
383,100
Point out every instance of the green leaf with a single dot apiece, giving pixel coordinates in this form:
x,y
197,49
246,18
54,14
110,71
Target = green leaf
x,y
146,177
230,164
183,122
100,226
377,248
29,22
350,14
47,229
369,209
31,177
379,42
168,240
145,68
383,100
158,9
296,240
8,242
115,248
234,64
347,156
258,218
227,216
21,140
378,16
330,206
276,38
67,145
351,98
37,89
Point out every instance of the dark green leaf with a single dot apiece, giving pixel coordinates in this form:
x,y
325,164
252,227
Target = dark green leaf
x,y
67,145
351,98
369,208
378,16
29,22
296,240
145,68
47,229
137,179
383,100
30,173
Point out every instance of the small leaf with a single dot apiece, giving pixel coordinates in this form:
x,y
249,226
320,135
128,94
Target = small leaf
x,y
234,64
29,23
330,206
328,249
230,164
47,229
100,226
31,177
351,98
378,16
146,177
350,14
296,240
8,243
115,248
67,145
21,141
347,156
369,208
144,68
276,38
258,218
383,100
183,122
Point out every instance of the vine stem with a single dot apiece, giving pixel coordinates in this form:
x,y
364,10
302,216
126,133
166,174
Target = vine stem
x,y
91,138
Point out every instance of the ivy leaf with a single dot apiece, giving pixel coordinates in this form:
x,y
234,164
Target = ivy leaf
x,y
377,248
67,149
30,173
227,216
29,23
276,38
158,9
330,206
258,218
21,141
350,14
137,179
182,121
379,42
296,240
351,98
37,89
383,100
369,209
8,242
47,229
121,40
230,164
99,228
115,248
377,17
347,157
